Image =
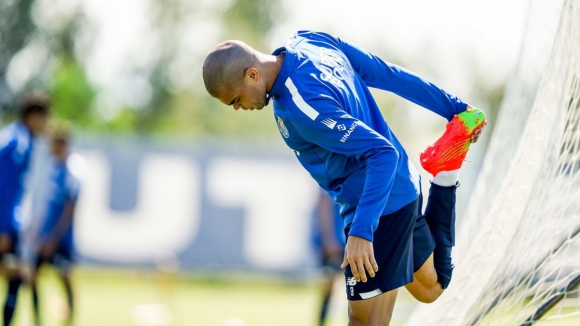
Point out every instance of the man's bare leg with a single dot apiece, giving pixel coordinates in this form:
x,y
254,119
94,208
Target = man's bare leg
x,y
425,287
376,311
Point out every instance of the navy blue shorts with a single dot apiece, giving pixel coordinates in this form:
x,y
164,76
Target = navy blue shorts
x,y
402,243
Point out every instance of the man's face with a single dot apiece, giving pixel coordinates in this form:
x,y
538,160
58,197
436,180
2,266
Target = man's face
x,y
59,148
250,94
36,122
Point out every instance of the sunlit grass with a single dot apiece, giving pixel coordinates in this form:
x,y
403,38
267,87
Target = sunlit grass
x,y
116,297
123,298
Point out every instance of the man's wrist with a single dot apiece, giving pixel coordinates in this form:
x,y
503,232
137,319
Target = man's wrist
x,y
364,237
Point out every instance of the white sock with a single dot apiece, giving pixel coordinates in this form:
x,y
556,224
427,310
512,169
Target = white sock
x,y
446,178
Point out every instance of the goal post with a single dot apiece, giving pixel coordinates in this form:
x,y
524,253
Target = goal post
x,y
517,250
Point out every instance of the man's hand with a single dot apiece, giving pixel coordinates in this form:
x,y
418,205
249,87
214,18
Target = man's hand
x,y
359,254
477,133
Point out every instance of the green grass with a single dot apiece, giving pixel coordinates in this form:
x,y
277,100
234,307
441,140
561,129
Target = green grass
x,y
108,297
111,296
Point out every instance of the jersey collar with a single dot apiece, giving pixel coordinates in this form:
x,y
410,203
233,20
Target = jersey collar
x,y
287,68
20,125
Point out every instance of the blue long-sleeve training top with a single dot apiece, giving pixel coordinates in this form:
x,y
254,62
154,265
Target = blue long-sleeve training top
x,y
327,115
16,144
62,188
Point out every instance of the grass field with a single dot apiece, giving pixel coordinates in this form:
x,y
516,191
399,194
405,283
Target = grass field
x,y
116,297
130,297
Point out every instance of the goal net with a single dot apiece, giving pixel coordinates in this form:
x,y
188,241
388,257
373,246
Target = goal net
x,y
518,243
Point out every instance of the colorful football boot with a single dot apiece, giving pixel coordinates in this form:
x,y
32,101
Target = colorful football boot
x,y
449,151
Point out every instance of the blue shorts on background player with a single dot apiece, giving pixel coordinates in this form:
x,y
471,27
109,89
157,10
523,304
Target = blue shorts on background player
x,y
326,113
16,144
55,239
329,240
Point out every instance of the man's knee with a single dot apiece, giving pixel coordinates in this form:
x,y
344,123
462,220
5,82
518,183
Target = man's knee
x,y
353,321
357,316
356,322
425,292
428,296
368,320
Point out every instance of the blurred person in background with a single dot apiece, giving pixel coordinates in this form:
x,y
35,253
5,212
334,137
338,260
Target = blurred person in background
x,y
329,241
16,145
53,238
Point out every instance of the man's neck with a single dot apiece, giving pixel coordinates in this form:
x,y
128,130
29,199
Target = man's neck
x,y
61,157
273,66
26,125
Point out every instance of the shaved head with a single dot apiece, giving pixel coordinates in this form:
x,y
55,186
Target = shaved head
x,y
225,64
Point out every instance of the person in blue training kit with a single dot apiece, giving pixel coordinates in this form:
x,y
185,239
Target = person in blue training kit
x,y
55,239
329,241
16,144
325,113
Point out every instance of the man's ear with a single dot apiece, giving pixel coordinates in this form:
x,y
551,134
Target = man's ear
x,y
251,74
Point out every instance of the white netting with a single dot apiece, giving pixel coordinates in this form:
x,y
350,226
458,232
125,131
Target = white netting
x,y
518,242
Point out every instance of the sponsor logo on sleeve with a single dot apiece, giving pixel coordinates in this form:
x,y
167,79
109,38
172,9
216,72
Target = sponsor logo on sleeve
x,y
348,132
329,123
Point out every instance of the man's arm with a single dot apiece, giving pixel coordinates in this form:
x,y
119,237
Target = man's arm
x,y
64,222
72,185
380,74
357,140
381,160
7,144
